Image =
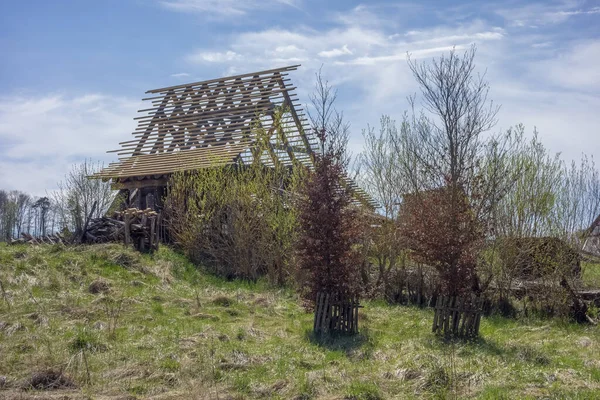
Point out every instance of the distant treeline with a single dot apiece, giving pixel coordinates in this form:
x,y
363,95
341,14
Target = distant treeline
x,y
65,208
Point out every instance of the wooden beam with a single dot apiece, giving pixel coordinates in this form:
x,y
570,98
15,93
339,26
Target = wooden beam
x,y
227,78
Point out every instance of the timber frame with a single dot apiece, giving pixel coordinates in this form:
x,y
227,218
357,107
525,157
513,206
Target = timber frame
x,y
215,123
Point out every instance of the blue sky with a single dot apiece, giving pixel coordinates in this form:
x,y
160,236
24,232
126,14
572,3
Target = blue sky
x,y
72,73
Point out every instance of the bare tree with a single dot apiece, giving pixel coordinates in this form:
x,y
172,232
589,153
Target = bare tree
x,y
446,165
325,120
379,164
43,207
77,194
456,98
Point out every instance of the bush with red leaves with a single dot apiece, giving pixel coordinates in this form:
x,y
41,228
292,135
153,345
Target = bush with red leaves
x,y
442,231
329,234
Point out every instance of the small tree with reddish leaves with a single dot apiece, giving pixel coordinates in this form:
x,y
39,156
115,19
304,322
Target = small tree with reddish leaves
x,y
442,231
330,231
329,234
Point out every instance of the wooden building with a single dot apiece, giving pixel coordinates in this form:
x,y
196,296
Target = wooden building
x,y
214,123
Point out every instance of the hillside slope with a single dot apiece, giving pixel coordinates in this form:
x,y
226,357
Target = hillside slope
x,y
119,325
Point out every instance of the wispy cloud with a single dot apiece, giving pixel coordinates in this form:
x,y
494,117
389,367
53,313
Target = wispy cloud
x,y
225,7
363,53
180,75
213,56
344,50
545,13
54,131
575,69
346,44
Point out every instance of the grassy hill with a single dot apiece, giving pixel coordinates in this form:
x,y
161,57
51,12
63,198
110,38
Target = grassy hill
x,y
119,325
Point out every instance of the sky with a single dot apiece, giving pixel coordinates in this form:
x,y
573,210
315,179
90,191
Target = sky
x,y
73,72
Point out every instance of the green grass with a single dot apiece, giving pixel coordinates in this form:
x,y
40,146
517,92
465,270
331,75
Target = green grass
x,y
164,330
590,274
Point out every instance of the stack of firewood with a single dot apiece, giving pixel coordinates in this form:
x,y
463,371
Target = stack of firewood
x,y
104,229
132,226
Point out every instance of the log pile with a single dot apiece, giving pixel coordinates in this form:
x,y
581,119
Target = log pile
x,y
46,239
142,228
131,226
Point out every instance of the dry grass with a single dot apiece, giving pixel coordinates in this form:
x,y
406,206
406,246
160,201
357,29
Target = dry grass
x,y
164,330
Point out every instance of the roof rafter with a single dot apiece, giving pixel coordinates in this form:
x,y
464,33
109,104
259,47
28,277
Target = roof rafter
x,y
219,122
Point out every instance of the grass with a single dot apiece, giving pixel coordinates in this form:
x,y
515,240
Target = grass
x,y
121,325
590,274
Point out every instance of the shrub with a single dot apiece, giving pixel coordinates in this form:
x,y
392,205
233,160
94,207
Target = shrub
x,y
236,219
330,232
442,231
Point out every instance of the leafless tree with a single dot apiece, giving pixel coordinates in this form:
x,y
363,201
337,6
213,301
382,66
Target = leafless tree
x,y
456,100
446,148
325,120
77,194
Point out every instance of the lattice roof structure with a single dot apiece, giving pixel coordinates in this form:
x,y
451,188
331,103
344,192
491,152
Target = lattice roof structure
x,y
217,122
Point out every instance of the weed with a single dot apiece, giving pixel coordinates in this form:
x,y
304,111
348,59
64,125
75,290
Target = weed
x,y
99,286
113,308
50,379
223,301
363,391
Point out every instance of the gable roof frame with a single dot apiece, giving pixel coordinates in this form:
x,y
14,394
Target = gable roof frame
x,y
215,122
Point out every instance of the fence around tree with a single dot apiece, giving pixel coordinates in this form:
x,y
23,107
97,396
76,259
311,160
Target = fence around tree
x,y
457,316
336,314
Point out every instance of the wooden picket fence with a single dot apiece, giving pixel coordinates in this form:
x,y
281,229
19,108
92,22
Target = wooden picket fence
x,y
335,314
457,316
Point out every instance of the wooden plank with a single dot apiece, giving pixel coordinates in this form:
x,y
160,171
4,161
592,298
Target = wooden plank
x,y
206,105
298,121
477,318
202,128
229,90
318,303
436,314
457,315
326,314
178,159
200,132
127,228
350,316
207,98
227,78
202,91
450,301
356,317
210,151
152,233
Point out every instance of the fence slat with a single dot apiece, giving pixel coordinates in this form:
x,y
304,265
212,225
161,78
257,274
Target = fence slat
x,y
316,326
334,313
457,316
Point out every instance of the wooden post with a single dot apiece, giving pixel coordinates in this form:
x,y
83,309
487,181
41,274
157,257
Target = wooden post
x,y
127,227
316,324
326,314
142,239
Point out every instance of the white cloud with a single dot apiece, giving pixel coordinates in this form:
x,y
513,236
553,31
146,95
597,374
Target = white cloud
x,y
213,57
594,10
344,50
540,79
225,7
366,56
538,14
43,135
575,69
